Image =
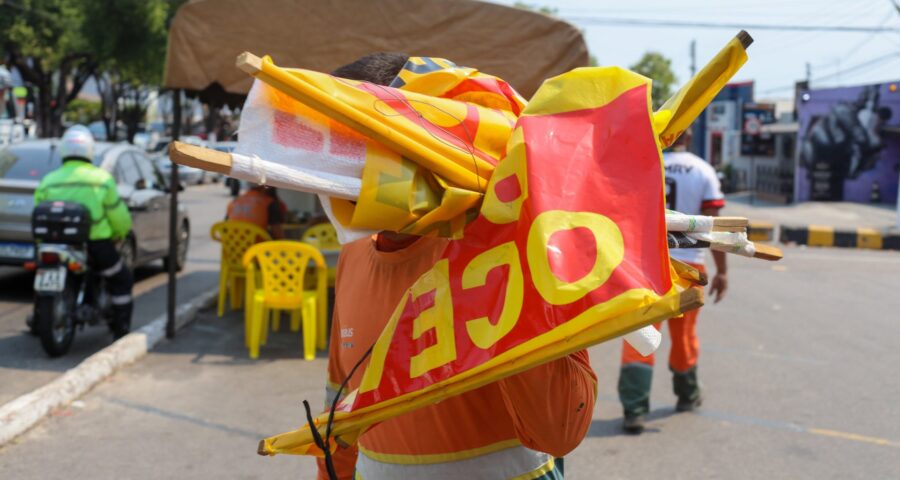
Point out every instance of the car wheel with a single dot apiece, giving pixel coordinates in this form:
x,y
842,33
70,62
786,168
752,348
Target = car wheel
x,y
184,238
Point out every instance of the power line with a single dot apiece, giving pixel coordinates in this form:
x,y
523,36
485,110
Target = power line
x,y
858,66
854,68
638,22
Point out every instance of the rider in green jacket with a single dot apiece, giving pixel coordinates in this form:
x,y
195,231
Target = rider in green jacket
x,y
78,180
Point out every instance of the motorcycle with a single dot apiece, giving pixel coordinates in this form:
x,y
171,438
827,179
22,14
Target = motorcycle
x,y
67,293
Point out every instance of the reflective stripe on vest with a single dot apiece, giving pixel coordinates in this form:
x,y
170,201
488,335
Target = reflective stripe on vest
x,y
512,463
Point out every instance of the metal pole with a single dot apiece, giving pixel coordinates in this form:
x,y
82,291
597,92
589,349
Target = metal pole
x,y
173,219
898,203
693,57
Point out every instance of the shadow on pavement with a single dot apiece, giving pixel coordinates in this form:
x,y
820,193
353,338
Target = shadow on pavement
x,y
220,341
23,351
613,427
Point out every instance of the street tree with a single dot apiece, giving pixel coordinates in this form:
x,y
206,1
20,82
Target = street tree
x,y
43,40
658,68
131,48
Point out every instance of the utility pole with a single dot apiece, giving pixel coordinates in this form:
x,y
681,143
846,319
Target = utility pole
x,y
693,57
808,74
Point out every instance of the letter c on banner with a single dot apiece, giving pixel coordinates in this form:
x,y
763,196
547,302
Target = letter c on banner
x,y
483,333
610,252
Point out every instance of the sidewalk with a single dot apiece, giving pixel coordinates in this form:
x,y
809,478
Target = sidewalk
x,y
840,215
194,407
842,224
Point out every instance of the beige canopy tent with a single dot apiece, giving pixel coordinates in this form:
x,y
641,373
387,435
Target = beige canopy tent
x,y
520,46
206,36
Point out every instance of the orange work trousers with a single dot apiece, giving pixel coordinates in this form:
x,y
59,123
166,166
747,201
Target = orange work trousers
x,y
685,345
636,372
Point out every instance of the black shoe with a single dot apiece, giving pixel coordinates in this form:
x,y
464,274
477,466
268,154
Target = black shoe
x,y
118,331
688,405
633,424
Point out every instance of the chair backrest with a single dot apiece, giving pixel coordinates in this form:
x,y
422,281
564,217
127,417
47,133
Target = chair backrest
x,y
282,265
322,235
236,237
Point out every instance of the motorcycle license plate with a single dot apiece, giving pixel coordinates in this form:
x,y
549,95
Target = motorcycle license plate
x,y
50,280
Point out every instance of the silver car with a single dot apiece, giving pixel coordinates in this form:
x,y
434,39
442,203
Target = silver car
x,y
140,184
186,175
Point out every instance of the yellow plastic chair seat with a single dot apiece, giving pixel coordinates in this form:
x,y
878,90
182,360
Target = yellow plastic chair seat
x,y
276,273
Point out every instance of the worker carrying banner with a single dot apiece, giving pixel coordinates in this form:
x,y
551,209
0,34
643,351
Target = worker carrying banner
x,y
555,210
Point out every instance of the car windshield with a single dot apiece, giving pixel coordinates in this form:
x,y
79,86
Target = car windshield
x,y
29,162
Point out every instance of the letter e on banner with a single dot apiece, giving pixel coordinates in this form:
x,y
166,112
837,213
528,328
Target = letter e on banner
x,y
438,318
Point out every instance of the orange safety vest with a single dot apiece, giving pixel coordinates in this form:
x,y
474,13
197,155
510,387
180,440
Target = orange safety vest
x,y
252,207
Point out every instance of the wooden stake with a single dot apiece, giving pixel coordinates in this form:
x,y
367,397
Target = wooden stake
x,y
730,222
767,252
722,228
199,157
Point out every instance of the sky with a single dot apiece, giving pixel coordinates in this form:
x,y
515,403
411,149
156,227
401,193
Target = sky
x,y
777,58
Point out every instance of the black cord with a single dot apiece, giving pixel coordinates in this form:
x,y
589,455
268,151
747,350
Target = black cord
x,y
329,465
325,444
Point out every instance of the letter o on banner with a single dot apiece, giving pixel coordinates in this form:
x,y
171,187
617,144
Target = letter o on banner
x,y
610,252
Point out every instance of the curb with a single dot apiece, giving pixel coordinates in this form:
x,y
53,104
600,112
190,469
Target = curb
x,y
826,236
761,232
24,412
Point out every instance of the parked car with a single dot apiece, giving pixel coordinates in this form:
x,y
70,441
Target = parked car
x,y
141,186
186,175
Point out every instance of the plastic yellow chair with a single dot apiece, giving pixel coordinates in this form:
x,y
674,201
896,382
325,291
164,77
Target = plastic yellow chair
x,y
279,287
324,237
236,237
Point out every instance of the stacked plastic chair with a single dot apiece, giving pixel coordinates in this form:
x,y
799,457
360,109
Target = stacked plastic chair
x,y
324,237
275,283
236,237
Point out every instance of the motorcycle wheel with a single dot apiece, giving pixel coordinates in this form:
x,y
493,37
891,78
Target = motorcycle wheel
x,y
54,322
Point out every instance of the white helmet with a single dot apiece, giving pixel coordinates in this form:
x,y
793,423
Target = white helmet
x,y
77,142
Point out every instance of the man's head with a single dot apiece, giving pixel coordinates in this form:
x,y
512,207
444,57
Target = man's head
x,y
77,144
380,68
683,142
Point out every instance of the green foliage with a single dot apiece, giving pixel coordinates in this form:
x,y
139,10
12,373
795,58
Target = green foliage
x,y
45,30
128,37
658,68
82,111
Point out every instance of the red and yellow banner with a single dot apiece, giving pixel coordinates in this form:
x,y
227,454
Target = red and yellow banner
x,y
568,247
571,232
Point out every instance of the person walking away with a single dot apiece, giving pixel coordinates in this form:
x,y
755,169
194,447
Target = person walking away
x,y
260,206
78,180
692,188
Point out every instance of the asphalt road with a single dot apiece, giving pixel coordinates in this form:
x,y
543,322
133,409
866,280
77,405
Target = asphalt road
x,y
797,363
23,364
